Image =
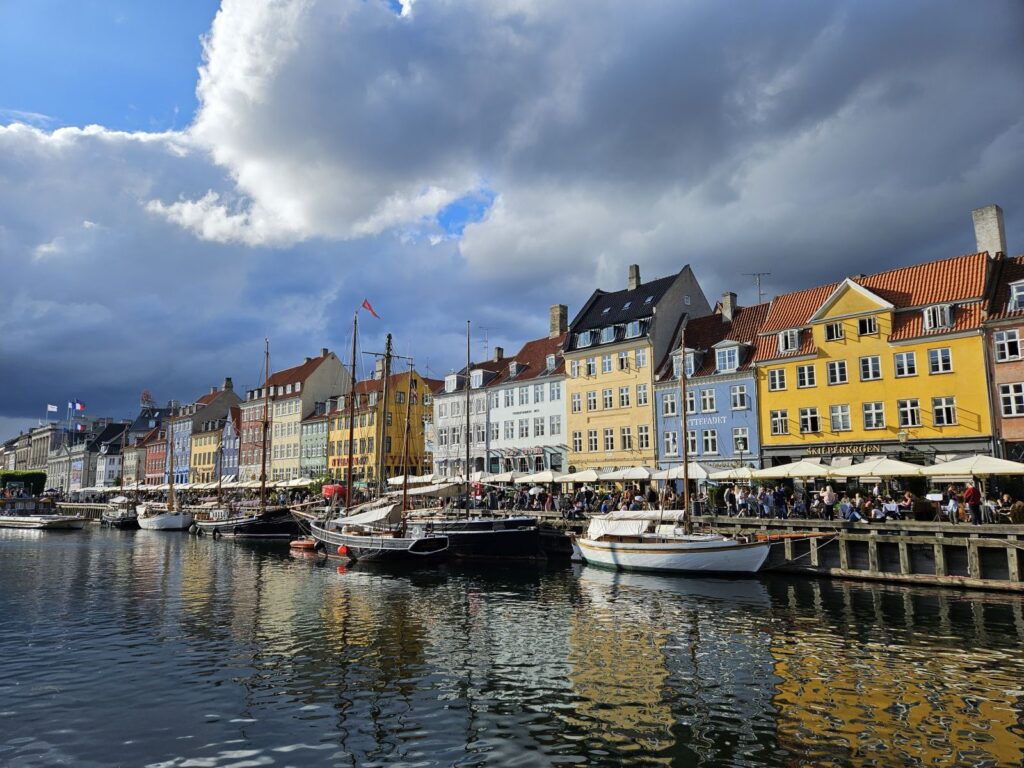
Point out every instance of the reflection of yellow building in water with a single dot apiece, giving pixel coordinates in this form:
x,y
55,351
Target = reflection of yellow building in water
x,y
841,705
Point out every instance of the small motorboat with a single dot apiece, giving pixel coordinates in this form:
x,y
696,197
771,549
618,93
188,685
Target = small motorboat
x,y
36,514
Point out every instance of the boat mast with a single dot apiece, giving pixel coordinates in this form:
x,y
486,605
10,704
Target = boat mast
x,y
383,426
170,472
219,463
124,435
266,425
468,435
351,413
405,448
687,522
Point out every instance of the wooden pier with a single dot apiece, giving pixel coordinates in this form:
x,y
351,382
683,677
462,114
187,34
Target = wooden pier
x,y
88,511
941,554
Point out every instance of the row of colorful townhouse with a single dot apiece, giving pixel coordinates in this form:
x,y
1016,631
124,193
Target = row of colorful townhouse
x,y
919,362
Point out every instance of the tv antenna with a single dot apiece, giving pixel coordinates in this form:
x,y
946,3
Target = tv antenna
x,y
487,355
757,280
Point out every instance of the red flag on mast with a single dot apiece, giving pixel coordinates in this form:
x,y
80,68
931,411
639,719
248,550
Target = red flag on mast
x,y
369,307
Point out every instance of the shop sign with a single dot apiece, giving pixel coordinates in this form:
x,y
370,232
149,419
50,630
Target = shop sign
x,y
847,449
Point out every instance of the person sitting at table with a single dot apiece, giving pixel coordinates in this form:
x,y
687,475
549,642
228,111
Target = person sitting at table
x,y
891,509
877,515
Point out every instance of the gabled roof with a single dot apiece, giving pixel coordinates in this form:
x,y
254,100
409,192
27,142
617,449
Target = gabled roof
x,y
704,333
531,361
958,279
1008,271
594,316
298,373
849,284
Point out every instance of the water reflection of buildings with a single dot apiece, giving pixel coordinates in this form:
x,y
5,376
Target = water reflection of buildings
x,y
863,684
661,671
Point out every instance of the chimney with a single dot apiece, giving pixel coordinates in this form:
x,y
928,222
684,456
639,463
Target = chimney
x,y
728,306
213,390
378,368
229,385
323,352
634,276
307,360
988,229
558,320
499,352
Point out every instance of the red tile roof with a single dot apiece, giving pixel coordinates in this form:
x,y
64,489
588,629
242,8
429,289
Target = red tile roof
x,y
298,373
532,361
702,333
910,325
768,347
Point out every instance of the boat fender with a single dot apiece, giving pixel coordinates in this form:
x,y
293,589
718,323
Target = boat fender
x,y
216,533
319,546
200,531
342,550
193,529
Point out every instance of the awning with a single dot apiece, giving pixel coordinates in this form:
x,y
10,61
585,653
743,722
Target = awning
x,y
629,473
583,476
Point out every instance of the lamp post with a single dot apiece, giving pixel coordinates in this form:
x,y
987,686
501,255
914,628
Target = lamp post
x,y
903,436
741,448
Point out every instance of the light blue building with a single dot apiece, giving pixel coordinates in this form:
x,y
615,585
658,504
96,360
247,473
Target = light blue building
x,y
721,391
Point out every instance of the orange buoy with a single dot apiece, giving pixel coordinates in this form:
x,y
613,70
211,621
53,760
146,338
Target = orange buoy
x,y
342,550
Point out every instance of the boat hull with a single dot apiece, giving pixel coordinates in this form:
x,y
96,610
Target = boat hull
x,y
274,524
378,549
43,522
725,556
121,522
171,521
515,538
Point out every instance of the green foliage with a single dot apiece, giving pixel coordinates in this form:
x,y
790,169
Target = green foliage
x,y
34,480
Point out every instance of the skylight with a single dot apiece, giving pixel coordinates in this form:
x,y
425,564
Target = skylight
x,y
648,300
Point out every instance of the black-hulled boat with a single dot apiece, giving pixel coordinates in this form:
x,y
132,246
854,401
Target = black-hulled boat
x,y
121,514
271,523
489,538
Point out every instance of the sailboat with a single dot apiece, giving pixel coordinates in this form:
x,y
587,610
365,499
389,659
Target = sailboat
x,y
378,531
120,511
659,540
159,516
261,522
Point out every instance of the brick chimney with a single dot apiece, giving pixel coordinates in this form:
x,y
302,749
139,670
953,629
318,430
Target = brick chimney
x,y
558,320
728,303
323,352
634,276
499,352
229,386
988,229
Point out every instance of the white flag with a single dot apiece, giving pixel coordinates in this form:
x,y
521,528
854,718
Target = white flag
x,y
51,408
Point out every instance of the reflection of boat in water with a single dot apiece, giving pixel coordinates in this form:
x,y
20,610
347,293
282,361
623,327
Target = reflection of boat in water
x,y
36,514
748,593
655,541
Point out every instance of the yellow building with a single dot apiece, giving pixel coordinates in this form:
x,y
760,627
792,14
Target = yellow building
x,y
614,346
892,363
204,459
379,433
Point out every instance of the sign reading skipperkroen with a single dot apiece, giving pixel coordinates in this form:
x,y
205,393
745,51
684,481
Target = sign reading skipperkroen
x,y
848,448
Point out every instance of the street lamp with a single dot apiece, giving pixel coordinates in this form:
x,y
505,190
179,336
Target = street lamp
x,y
741,448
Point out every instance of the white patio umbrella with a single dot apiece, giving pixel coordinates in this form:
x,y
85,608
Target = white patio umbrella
x,y
797,470
583,476
299,482
546,476
975,466
736,473
506,477
694,469
629,473
883,467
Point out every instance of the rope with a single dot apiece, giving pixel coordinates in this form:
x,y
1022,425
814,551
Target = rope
x,y
827,540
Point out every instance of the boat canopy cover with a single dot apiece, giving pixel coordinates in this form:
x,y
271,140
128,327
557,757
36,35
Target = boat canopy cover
x,y
663,516
601,526
372,515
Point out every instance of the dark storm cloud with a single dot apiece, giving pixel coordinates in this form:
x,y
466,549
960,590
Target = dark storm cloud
x,y
810,140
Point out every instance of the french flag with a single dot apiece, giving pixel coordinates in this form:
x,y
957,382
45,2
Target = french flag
x,y
76,405
79,427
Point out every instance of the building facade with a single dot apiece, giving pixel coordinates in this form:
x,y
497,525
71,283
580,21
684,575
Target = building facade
x,y
722,427
526,406
155,445
892,363
313,446
229,442
613,348
205,460
461,414
211,407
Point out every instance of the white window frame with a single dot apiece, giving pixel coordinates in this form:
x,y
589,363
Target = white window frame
x,y
577,402
592,400
874,415
874,368
592,441
938,316
641,394
643,437
1016,297
632,329
905,364
809,418
671,441
738,397
691,401
608,334
691,442
709,442
839,418
789,340
909,412
1011,399
740,433
608,398
641,357
834,332
806,376
623,397
609,439
946,406
1007,345
669,404
626,438
867,326
833,368
708,401
727,359
577,442
939,363
776,379
606,363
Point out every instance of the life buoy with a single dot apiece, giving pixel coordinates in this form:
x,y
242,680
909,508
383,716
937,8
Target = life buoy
x,y
342,550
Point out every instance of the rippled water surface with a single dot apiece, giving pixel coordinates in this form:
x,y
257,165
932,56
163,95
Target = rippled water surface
x,y
155,649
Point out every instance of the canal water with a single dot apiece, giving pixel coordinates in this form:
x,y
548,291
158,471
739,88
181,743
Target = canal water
x,y
155,649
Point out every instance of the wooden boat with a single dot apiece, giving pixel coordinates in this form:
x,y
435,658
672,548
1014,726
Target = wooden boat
x,y
377,532
248,522
515,537
654,541
156,516
36,514
121,514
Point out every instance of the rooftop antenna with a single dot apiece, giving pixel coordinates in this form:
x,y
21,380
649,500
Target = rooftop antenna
x,y
487,355
757,280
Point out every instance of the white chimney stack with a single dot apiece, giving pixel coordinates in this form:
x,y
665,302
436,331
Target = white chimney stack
x,y
634,276
988,229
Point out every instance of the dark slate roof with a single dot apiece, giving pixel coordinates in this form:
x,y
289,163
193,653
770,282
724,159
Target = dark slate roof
x,y
532,361
618,308
141,425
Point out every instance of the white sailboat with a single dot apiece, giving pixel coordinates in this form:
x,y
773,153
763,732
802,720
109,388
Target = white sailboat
x,y
159,516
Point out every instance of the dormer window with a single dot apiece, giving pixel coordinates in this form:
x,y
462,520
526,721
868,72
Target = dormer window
x,y
288,388
677,362
513,368
606,310
607,334
585,339
940,316
789,340
633,329
626,305
648,300
450,383
477,379
727,359
298,386
1016,297
549,363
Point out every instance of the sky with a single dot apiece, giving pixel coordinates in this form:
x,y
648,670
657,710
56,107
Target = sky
x,y
180,181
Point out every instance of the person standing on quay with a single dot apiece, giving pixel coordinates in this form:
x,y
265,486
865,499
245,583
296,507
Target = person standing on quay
x,y
972,498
